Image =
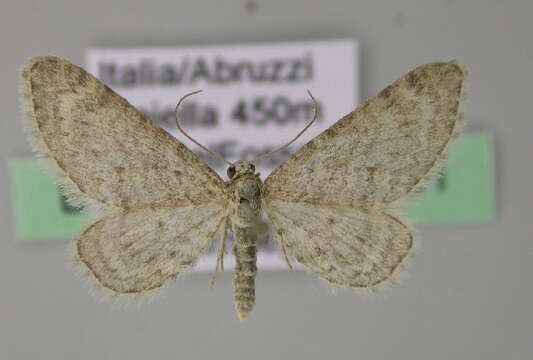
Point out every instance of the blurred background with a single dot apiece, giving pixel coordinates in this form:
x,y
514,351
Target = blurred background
x,y
469,290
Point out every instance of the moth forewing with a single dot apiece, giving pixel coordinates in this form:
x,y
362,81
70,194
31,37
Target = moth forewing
x,y
382,150
102,149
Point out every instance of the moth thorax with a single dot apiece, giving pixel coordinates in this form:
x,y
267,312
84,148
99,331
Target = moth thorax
x,y
248,195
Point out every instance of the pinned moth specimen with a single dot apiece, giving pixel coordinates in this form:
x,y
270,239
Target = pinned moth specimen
x,y
332,205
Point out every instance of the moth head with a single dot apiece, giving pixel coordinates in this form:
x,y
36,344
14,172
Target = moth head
x,y
239,168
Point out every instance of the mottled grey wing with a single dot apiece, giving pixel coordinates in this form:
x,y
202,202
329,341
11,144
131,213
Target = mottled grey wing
x,y
105,152
137,252
343,246
383,150
330,202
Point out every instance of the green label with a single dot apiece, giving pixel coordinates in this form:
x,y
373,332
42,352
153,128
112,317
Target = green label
x,y
41,213
463,195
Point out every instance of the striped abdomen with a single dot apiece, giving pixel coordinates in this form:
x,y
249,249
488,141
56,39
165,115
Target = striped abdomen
x,y
245,250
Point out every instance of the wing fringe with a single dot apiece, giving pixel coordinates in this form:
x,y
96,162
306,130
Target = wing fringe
x,y
67,186
103,294
437,170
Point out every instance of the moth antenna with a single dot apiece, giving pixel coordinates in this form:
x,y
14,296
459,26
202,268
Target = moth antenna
x,y
315,116
187,135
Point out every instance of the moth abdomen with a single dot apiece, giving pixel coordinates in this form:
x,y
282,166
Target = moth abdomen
x,y
245,251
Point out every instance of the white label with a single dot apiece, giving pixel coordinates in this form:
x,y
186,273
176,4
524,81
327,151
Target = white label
x,y
254,98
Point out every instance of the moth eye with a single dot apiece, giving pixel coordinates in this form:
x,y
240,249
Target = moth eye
x,y
252,166
231,172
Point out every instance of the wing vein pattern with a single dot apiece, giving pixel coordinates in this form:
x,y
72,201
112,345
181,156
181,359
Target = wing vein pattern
x,y
141,250
343,246
332,202
382,151
161,206
103,150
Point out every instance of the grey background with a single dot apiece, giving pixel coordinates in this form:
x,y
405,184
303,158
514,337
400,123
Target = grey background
x,y
470,290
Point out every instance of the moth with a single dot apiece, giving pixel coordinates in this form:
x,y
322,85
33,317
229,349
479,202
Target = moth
x,y
333,205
